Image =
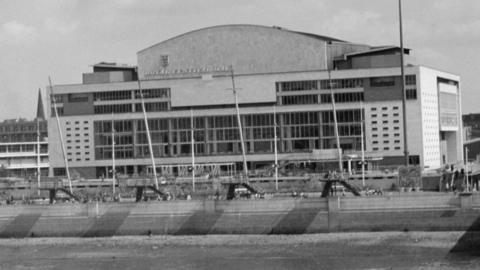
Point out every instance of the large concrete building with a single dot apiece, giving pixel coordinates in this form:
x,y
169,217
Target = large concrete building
x,y
274,67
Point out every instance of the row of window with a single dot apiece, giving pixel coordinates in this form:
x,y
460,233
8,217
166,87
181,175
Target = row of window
x,y
298,131
319,84
127,108
386,148
386,81
115,95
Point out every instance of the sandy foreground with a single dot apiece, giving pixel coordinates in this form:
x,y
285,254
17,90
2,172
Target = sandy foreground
x,y
382,250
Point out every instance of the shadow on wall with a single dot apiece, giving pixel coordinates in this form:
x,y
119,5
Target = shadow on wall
x,y
469,242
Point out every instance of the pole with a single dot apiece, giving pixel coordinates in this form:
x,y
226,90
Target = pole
x,y
466,168
275,145
245,169
332,96
61,136
150,148
38,157
193,149
402,70
363,145
113,156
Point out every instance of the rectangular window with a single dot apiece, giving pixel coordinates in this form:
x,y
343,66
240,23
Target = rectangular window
x,y
78,97
411,93
153,93
112,95
341,83
410,80
114,108
152,107
299,100
382,81
299,85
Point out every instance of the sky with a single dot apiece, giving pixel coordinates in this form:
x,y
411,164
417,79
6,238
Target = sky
x,y
63,38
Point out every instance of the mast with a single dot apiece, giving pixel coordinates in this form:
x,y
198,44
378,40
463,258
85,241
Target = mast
x,y
150,148
193,149
404,94
113,156
245,169
332,96
275,144
61,136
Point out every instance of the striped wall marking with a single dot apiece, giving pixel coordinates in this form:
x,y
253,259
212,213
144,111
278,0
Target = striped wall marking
x,y
469,242
199,222
297,220
109,222
20,226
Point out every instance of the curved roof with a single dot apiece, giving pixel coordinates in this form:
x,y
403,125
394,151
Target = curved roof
x,y
319,37
250,49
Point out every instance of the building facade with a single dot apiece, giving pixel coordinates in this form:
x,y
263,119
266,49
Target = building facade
x,y
282,79
24,146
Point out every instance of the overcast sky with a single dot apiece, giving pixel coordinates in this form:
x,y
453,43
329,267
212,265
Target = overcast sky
x,y
62,38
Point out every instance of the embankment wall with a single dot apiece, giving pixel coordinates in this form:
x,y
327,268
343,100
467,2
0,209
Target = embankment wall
x,y
274,216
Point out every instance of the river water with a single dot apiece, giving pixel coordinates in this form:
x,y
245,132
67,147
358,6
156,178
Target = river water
x,y
383,250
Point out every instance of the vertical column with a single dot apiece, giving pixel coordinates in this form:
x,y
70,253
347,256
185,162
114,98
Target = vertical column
x,y
170,137
135,141
205,137
281,117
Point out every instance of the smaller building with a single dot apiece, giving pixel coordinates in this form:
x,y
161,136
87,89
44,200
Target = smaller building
x,y
24,145
471,125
